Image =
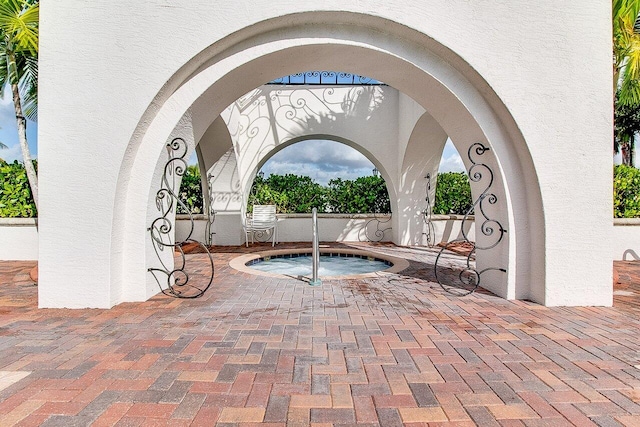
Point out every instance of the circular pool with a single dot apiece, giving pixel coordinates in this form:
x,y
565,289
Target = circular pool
x,y
334,263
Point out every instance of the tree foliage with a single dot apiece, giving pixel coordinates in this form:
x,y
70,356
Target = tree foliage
x,y
16,200
290,193
626,192
191,191
19,29
626,125
299,194
366,194
453,194
626,50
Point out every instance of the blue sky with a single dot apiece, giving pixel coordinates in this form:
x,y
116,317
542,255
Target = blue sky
x,y
9,131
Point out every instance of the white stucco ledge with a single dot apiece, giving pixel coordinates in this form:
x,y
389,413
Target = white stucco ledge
x,y
18,239
626,221
334,215
626,239
200,217
18,222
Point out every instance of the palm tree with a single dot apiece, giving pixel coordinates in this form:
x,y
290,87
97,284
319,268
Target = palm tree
x,y
626,126
19,69
626,50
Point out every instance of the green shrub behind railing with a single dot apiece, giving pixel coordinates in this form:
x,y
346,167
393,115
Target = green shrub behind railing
x,y
626,192
453,194
191,191
15,194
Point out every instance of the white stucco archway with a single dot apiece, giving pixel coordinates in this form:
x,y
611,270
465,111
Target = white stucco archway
x,y
267,156
397,135
447,87
449,97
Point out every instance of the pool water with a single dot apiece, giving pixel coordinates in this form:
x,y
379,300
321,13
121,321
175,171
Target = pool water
x,y
330,264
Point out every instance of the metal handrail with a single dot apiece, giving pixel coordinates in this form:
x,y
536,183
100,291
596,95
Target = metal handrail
x,y
315,249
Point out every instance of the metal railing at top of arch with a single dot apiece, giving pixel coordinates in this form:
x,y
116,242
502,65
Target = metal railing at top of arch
x,y
325,78
461,282
177,283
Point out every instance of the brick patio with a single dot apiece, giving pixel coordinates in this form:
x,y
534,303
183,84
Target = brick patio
x,y
279,352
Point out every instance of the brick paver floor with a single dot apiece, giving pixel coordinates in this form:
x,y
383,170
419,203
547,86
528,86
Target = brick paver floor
x,y
379,351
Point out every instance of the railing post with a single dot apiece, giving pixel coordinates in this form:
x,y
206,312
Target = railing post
x,y
315,249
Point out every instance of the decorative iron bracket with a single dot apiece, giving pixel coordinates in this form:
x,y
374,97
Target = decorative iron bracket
x,y
430,231
211,215
468,279
176,281
378,233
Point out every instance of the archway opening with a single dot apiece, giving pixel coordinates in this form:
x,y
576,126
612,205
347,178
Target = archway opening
x,y
331,176
456,98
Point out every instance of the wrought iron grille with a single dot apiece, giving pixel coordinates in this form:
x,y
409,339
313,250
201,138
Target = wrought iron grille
x,y
211,214
429,229
325,78
465,281
175,282
378,232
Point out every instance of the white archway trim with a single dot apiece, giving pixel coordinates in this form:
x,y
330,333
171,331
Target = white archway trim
x,y
465,116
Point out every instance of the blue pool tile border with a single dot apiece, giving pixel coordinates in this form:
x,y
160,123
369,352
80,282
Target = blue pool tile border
x,y
324,254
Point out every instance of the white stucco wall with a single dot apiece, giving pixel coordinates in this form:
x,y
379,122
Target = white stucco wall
x,y
333,228
376,120
297,228
271,116
18,239
626,238
137,68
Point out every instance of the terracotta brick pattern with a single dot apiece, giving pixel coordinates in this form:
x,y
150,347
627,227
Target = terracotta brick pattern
x,y
383,351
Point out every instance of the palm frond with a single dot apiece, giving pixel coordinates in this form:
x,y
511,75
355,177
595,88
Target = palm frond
x,y
29,86
626,50
4,68
19,24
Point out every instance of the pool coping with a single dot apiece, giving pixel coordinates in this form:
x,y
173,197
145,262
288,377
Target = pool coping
x,y
239,262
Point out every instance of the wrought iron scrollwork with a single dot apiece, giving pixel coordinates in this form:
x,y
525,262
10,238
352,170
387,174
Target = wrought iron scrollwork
x,y
324,77
262,236
378,233
429,229
211,215
468,278
176,281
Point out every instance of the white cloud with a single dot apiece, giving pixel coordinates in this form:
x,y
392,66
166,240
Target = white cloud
x,y
6,98
451,160
9,131
321,160
325,160
452,163
11,153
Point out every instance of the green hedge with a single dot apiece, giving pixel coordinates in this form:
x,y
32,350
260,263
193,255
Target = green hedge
x,y
626,192
368,194
453,194
15,193
290,193
191,191
299,194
